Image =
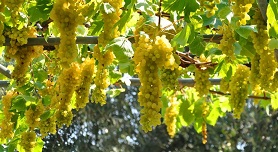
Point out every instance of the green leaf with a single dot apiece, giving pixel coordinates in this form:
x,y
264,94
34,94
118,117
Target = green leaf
x,y
47,114
182,6
146,7
40,74
182,37
12,144
22,126
214,51
265,103
39,145
272,18
198,124
46,100
224,12
114,76
129,3
212,21
40,12
19,104
273,44
96,26
39,85
124,19
245,31
107,8
27,98
2,148
214,114
180,122
274,100
224,104
247,47
237,48
197,108
115,92
190,6
81,30
165,102
127,67
122,49
93,9
177,6
198,46
223,69
185,112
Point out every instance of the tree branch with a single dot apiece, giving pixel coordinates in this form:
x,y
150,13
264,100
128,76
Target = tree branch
x,y
6,72
250,96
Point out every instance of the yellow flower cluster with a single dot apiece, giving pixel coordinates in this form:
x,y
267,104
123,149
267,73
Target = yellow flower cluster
x,y
15,7
82,91
150,56
224,85
101,79
104,59
241,8
255,75
67,15
209,6
239,89
22,55
170,77
33,115
47,126
227,42
28,140
205,112
6,126
147,27
110,32
64,89
267,63
49,87
204,133
202,83
171,116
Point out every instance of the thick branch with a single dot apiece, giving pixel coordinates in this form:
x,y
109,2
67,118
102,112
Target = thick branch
x,y
89,40
6,72
185,82
4,83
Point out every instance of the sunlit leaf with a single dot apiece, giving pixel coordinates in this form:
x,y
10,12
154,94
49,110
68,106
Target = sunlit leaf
x,y
122,48
214,114
245,31
274,100
182,37
115,92
47,114
272,18
107,8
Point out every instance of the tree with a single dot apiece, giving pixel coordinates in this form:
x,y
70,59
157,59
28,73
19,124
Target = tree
x,y
58,65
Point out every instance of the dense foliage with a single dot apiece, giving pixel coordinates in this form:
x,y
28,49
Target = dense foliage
x,y
171,40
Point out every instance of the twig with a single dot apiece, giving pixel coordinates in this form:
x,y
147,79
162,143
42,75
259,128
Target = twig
x,y
159,13
186,60
250,96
